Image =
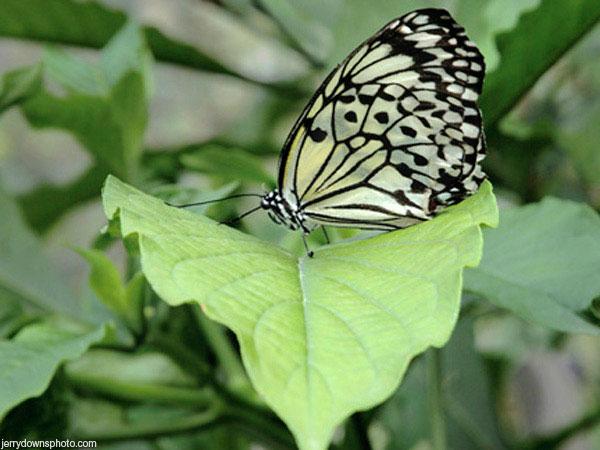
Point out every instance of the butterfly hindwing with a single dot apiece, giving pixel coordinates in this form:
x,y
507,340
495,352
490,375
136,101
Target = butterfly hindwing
x,y
394,133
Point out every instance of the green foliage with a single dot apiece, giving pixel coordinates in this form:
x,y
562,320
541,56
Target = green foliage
x,y
304,22
89,24
465,384
149,368
543,263
553,28
381,308
18,85
31,358
582,144
21,256
317,339
114,94
230,164
125,300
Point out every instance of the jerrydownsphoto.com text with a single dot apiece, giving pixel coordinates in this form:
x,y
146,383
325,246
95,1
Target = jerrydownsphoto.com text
x,y
53,443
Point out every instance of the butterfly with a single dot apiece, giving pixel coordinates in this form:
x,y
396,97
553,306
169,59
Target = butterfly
x,y
391,137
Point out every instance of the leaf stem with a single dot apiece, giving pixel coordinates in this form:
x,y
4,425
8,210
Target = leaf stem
x,y
434,399
226,354
189,423
135,391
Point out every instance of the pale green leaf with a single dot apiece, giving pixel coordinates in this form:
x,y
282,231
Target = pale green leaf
x,y
74,74
320,337
30,360
543,263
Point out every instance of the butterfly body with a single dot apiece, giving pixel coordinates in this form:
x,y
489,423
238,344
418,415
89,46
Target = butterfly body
x,y
284,213
392,136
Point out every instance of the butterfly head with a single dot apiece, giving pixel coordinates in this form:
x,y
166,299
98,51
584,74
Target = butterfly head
x,y
283,212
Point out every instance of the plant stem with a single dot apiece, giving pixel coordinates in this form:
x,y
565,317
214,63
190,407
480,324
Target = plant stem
x,y
194,422
133,391
227,356
434,397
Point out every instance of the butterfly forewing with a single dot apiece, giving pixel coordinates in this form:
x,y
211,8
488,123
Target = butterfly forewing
x,y
394,133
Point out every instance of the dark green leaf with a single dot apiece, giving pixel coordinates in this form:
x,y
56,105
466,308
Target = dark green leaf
x,y
89,24
359,19
45,204
147,368
583,145
539,40
74,74
403,422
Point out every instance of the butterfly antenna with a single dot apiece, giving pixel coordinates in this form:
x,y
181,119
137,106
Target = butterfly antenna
x,y
207,202
237,219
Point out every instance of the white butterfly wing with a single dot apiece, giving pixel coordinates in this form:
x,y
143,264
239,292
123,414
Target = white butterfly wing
x,y
394,134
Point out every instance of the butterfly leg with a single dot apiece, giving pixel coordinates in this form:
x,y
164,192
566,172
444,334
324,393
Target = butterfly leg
x,y
309,252
325,234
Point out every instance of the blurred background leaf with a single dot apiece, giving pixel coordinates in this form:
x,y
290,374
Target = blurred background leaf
x,y
32,357
543,263
25,274
539,40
